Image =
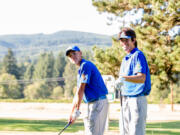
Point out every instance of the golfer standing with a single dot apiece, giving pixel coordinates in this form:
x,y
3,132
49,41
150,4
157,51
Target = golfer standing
x,y
134,77
91,88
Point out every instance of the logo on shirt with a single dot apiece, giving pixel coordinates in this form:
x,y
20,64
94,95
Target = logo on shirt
x,y
138,67
84,77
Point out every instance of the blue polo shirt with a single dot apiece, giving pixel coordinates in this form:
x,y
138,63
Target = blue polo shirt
x,y
133,63
95,87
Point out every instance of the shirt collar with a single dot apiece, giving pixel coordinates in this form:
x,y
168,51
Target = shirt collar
x,y
82,60
132,52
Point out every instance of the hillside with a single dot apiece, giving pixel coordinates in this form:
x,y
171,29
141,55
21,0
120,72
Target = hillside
x,y
36,43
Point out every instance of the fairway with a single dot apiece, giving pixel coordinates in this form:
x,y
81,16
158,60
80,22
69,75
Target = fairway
x,y
155,128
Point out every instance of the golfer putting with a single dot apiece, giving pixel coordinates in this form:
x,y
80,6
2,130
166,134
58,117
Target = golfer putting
x,y
92,90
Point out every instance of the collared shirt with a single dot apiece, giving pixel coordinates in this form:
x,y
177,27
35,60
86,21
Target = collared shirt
x,y
133,63
95,86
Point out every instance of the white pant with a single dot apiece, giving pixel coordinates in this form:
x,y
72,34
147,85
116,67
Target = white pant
x,y
95,117
133,115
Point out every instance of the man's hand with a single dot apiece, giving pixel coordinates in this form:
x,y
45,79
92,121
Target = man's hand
x,y
74,116
119,82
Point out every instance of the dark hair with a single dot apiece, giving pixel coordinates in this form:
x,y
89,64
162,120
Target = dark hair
x,y
129,32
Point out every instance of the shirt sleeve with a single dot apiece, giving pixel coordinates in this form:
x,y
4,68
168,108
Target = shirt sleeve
x,y
86,73
141,64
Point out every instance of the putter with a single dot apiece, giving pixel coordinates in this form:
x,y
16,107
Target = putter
x,y
122,111
67,125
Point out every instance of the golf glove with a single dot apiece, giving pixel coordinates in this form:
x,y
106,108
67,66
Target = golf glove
x,y
119,82
76,114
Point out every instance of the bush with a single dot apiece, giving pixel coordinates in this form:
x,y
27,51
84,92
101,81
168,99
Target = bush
x,y
9,87
38,90
58,93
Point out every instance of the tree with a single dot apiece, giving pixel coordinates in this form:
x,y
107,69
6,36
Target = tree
x,y
58,93
108,60
1,65
29,72
37,90
22,70
44,69
70,76
9,87
44,66
88,55
59,66
9,64
153,34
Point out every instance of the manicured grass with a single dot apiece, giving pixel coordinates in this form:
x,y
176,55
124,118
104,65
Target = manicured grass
x,y
158,128
38,125
163,128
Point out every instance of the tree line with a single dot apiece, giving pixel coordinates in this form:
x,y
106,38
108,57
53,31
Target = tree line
x,y
47,77
51,77
161,49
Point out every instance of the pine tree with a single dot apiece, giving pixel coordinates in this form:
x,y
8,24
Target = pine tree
x,y
70,76
44,66
29,72
44,69
162,50
22,70
10,64
59,65
108,60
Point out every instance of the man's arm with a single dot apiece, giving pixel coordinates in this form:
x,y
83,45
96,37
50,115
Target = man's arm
x,y
77,100
139,78
80,95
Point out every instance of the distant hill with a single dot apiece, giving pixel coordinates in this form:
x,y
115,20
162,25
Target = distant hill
x,y
61,37
30,45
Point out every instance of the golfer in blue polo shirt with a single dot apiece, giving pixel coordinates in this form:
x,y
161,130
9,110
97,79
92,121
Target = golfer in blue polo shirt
x,y
91,88
134,78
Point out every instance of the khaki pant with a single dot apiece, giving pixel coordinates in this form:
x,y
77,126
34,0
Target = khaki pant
x,y
133,120
95,117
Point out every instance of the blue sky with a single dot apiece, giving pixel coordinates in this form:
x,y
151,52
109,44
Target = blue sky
x,y
48,16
